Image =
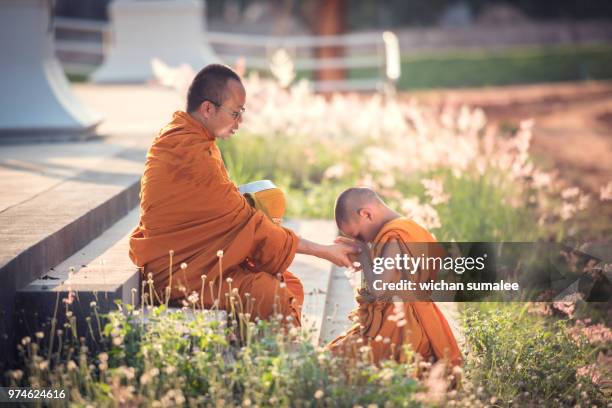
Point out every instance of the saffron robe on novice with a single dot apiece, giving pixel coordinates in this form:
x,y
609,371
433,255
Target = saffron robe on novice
x,y
386,329
190,206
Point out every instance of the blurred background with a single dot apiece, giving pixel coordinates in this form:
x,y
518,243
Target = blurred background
x,y
515,59
444,43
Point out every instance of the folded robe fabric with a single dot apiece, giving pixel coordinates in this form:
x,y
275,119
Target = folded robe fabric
x,y
423,326
190,206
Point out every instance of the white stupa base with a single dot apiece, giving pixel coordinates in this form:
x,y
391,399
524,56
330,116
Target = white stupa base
x,y
170,30
36,101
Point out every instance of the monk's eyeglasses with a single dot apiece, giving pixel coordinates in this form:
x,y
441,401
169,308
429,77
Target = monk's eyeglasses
x,y
233,114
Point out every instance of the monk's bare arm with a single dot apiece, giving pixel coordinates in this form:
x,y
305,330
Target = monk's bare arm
x,y
337,254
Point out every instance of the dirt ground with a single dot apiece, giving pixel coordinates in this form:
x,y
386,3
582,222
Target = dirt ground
x,y
573,123
572,132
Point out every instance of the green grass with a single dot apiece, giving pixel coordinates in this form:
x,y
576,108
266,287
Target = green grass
x,y
537,354
478,68
478,208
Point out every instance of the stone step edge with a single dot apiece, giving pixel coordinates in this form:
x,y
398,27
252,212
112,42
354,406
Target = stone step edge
x,y
59,245
33,262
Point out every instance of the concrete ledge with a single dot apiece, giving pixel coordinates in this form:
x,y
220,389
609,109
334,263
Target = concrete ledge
x,y
43,231
100,272
49,226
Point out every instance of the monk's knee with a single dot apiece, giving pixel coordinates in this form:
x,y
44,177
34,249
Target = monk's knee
x,y
294,284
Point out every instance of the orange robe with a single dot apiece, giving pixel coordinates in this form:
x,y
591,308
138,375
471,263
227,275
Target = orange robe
x,y
423,326
189,205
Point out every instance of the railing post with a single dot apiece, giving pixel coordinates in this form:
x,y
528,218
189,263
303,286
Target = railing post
x,y
393,63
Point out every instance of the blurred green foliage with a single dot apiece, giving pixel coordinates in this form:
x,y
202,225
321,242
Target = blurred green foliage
x,y
477,68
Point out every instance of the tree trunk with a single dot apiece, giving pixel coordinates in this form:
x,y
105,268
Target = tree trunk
x,y
330,20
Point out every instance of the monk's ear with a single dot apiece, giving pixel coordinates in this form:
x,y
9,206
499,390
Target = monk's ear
x,y
365,213
206,108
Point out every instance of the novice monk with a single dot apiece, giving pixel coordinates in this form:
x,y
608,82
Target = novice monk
x,y
384,325
196,228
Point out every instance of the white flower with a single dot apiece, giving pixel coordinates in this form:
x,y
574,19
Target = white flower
x,y
435,190
193,298
282,67
569,193
567,211
335,172
422,214
220,253
145,378
541,179
386,180
379,159
605,192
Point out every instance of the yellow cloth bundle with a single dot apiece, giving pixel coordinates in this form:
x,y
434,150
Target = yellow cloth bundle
x,y
265,196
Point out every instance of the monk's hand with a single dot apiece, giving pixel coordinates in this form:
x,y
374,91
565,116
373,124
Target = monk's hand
x,y
338,253
342,253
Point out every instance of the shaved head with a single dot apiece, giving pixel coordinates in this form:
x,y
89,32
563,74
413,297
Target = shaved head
x,y
210,84
351,200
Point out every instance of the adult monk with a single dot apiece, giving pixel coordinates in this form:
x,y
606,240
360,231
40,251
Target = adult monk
x,y
196,228
384,322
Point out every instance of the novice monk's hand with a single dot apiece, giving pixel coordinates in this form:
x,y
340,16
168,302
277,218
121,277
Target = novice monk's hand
x,y
360,261
363,247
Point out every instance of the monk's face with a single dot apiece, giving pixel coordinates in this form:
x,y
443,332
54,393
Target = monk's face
x,y
223,121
